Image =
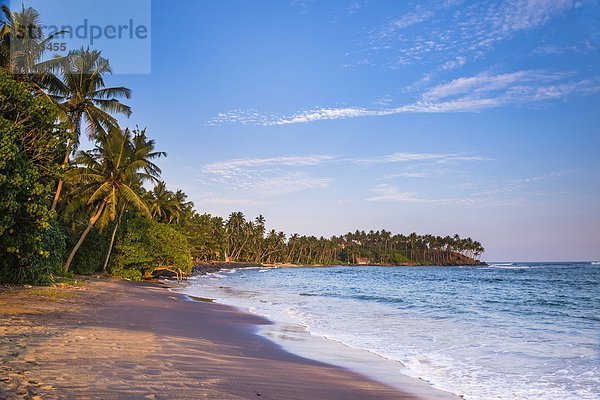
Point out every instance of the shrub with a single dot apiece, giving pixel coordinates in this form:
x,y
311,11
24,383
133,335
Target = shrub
x,y
146,245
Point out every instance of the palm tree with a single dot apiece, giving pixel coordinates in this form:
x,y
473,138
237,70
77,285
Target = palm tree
x,y
182,209
107,177
162,203
141,155
79,91
22,45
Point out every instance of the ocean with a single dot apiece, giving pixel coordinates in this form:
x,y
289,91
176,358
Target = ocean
x,y
504,331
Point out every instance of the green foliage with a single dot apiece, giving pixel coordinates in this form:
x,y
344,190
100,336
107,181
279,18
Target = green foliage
x,y
30,148
206,236
147,245
399,258
90,257
35,267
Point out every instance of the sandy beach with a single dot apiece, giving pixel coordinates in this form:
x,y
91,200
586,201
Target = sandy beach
x,y
113,339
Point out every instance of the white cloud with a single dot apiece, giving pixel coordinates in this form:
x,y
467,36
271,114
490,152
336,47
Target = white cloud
x,y
454,64
234,202
511,192
273,176
435,158
487,83
289,183
256,181
230,166
407,175
391,193
259,178
468,32
529,14
423,12
244,165
412,18
321,114
521,184
465,94
355,6
303,5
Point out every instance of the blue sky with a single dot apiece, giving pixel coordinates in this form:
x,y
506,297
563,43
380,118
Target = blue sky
x,y
442,117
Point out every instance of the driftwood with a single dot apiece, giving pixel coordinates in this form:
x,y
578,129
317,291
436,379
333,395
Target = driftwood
x,y
179,274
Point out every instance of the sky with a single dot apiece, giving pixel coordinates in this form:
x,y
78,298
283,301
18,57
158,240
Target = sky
x,y
473,117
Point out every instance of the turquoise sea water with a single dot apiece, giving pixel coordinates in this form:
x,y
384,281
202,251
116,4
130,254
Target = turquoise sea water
x,y
506,331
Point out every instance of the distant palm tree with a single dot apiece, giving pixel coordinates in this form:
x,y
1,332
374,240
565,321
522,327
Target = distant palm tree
x,y
106,177
162,202
79,91
182,208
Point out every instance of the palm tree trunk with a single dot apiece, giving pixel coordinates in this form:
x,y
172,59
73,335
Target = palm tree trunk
x,y
75,120
83,235
60,182
112,241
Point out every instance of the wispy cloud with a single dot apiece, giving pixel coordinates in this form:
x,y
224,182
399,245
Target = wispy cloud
x,y
385,192
468,32
302,5
229,166
234,202
407,175
421,13
587,45
261,178
485,84
434,158
264,178
412,18
511,192
355,5
465,94
290,183
521,184
241,165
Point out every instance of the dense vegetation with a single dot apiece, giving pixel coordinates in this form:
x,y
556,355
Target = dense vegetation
x,y
66,211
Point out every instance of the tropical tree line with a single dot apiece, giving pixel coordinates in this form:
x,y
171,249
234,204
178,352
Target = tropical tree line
x,y
239,239
64,210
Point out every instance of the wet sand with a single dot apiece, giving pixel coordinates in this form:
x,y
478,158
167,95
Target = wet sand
x,y
113,339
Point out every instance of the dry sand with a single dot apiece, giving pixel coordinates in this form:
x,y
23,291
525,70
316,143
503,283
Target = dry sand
x,y
112,339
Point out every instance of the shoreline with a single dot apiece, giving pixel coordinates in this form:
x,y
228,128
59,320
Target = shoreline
x,y
115,339
207,267
364,362
296,340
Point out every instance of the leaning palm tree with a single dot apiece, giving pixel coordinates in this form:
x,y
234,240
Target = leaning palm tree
x,y
79,91
106,177
141,155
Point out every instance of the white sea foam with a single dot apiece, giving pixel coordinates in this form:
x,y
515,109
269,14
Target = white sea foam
x,y
488,335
